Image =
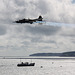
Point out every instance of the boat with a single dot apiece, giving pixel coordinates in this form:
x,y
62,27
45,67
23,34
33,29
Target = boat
x,y
25,64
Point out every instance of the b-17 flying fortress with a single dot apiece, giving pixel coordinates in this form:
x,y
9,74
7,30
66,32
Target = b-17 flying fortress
x,y
29,20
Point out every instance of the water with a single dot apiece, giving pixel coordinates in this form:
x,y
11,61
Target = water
x,y
42,67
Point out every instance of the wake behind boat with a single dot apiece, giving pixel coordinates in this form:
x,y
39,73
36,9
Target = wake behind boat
x,y
25,64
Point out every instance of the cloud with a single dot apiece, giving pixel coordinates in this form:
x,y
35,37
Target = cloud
x,y
55,10
31,38
19,2
3,30
68,32
24,39
73,1
43,30
42,7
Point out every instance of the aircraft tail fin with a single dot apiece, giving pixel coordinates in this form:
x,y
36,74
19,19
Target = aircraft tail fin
x,y
40,18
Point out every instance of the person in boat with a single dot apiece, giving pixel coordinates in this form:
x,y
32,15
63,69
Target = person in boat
x,y
29,20
26,63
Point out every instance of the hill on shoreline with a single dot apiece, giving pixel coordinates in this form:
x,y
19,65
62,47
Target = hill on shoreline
x,y
65,54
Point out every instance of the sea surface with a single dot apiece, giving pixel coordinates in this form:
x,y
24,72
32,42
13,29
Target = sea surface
x,y
45,66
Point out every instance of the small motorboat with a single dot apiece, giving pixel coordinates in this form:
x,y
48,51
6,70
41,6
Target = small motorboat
x,y
25,64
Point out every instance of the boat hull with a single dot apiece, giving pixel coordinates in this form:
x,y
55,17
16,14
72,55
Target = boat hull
x,y
31,64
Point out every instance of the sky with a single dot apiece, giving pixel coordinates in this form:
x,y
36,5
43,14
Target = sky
x,y
56,35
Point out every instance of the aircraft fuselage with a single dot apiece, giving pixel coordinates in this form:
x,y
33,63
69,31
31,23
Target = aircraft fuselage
x,y
29,20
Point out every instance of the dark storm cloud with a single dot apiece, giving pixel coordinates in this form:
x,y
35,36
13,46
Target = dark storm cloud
x,y
43,30
2,30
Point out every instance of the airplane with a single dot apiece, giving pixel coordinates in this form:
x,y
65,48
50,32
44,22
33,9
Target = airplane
x,y
29,20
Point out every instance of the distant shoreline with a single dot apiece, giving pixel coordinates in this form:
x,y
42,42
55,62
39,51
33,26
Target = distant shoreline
x,y
40,57
64,54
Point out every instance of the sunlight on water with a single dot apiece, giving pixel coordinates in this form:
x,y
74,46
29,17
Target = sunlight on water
x,y
42,67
